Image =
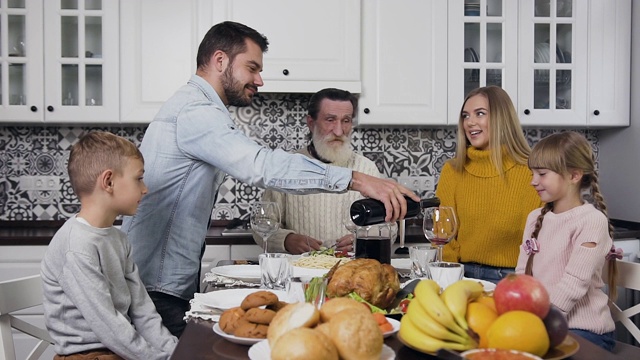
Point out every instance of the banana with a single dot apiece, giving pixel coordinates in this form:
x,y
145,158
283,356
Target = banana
x,y
427,295
414,337
428,325
456,297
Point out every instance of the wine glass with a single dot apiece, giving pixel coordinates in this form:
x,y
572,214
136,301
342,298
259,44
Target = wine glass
x,y
348,223
265,219
440,225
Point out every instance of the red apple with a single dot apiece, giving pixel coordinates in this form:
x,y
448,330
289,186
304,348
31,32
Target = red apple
x,y
521,292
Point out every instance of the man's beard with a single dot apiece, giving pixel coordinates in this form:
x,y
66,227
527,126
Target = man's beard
x,y
337,155
233,90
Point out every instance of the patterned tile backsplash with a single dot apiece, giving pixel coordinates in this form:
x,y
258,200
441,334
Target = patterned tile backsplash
x,y
34,184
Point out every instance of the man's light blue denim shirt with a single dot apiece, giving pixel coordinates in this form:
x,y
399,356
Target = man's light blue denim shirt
x,y
188,148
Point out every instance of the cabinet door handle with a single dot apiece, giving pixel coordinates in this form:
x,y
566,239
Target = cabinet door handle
x,y
50,108
366,110
596,112
285,71
34,108
527,112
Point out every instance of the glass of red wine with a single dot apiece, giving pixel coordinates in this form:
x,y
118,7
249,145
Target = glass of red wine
x,y
440,225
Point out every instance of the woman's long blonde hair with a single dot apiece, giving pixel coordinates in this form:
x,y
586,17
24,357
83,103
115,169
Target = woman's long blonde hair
x,y
561,153
505,130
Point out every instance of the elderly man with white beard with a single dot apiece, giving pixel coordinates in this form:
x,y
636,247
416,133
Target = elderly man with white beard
x,y
311,221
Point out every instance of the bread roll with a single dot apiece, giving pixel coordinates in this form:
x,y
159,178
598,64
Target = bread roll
x,y
336,305
292,316
304,344
356,335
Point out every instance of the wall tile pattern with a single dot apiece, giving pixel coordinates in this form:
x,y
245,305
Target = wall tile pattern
x,y
31,153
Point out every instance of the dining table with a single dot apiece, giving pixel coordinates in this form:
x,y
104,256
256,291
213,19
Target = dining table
x,y
200,342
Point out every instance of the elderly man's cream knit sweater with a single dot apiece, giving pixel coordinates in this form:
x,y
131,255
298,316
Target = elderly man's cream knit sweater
x,y
316,215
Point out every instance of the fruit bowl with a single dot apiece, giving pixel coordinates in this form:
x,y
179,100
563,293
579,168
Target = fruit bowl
x,y
488,354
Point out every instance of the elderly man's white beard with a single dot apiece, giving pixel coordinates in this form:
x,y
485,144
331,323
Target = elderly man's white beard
x,y
337,155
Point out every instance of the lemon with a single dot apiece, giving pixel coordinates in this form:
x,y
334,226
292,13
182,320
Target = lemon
x,y
519,330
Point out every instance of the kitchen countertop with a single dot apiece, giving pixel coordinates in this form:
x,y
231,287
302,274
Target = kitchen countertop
x,y
41,232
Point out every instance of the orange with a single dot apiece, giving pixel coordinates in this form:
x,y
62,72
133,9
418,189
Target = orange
x,y
480,317
519,330
488,300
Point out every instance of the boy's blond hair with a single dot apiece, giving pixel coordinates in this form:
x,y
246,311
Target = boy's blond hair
x,y
94,153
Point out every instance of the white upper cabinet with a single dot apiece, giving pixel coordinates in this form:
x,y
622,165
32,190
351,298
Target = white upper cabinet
x,y
610,63
564,63
313,44
483,49
61,62
553,62
159,44
404,63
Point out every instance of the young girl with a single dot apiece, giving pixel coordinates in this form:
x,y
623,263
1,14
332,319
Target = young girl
x,y
568,253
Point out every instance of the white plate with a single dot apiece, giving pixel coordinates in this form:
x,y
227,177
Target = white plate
x,y
308,273
401,263
488,285
234,339
248,273
262,351
396,326
226,299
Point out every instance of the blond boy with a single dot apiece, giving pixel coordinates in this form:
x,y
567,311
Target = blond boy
x,y
94,302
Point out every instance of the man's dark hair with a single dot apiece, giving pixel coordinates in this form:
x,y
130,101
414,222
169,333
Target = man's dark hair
x,y
229,37
332,94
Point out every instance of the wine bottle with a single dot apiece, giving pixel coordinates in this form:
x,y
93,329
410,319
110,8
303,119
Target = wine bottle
x,y
370,211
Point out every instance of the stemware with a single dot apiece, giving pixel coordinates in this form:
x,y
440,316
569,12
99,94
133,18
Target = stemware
x,y
346,219
265,219
348,223
440,225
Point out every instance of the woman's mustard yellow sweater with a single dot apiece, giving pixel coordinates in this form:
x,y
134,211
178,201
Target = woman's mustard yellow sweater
x,y
492,210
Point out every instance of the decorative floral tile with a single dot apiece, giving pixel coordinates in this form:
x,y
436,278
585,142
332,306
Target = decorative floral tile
x,y
273,120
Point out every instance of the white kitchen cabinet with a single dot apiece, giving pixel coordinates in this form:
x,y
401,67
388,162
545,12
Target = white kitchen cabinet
x,y
483,49
313,44
610,63
61,62
404,63
553,61
568,65
159,43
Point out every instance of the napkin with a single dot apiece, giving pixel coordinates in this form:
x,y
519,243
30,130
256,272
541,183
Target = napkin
x,y
201,311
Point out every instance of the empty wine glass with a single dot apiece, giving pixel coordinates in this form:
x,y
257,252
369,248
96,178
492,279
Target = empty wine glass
x,y
348,223
440,225
265,219
346,219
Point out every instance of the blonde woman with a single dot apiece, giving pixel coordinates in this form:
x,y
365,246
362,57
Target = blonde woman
x,y
487,183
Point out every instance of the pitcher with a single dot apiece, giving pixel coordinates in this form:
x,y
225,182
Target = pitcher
x,y
374,241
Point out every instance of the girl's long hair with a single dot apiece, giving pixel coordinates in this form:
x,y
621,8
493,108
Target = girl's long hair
x,y
560,153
